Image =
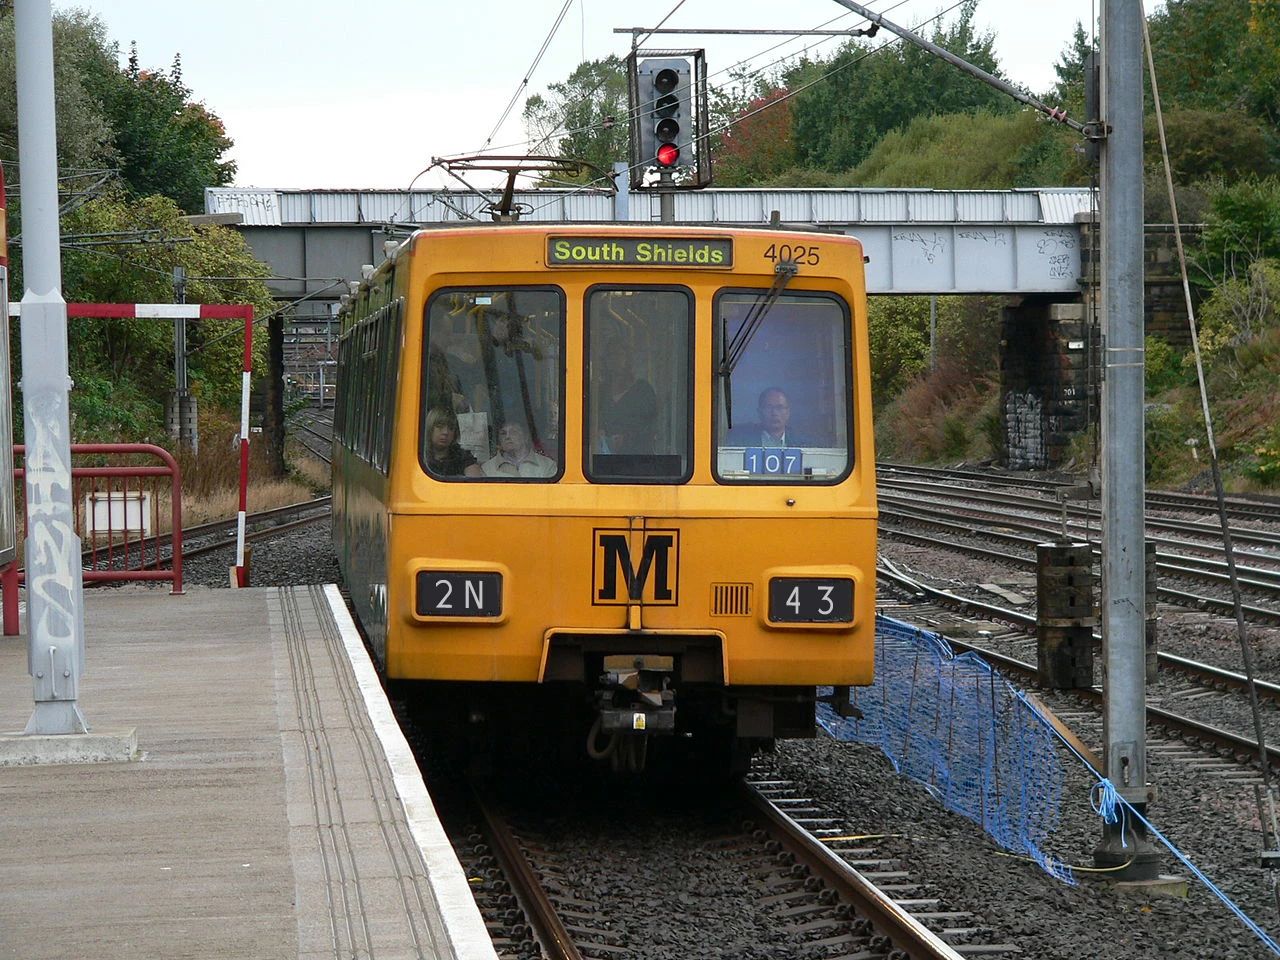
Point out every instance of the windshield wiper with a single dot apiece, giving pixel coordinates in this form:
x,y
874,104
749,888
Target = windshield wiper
x,y
733,350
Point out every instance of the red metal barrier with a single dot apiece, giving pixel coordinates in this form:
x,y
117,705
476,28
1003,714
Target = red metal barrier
x,y
113,520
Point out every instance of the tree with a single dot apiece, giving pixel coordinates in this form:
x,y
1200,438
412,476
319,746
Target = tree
x,y
844,106
141,123
167,143
961,151
1211,145
757,145
82,58
1068,92
585,117
1219,54
1243,226
122,369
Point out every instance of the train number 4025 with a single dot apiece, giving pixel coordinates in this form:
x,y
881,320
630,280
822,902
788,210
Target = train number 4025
x,y
793,253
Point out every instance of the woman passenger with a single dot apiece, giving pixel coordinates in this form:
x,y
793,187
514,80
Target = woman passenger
x,y
445,456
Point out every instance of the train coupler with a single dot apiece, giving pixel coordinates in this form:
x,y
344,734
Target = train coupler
x,y
638,719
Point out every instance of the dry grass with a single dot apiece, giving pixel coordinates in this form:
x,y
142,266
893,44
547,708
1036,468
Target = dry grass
x,y
945,415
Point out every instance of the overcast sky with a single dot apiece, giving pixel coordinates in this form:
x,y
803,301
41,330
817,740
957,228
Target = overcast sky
x,y
315,97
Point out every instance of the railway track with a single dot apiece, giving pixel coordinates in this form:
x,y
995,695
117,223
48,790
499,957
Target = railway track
x,y
812,885
1190,559
312,429
1010,646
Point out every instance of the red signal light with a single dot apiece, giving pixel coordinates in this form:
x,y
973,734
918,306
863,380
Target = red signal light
x,y
668,154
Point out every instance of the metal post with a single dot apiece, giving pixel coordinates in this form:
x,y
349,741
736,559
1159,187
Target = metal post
x,y
933,333
185,427
622,196
55,608
1123,844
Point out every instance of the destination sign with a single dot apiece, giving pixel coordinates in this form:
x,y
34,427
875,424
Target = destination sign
x,y
640,252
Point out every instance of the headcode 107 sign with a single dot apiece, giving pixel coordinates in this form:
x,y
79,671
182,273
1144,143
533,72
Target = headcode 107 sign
x,y
774,460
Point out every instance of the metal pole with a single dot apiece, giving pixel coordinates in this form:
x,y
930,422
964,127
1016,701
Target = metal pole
x,y
622,197
1123,483
55,608
933,333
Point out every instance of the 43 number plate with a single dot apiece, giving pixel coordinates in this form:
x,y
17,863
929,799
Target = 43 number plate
x,y
810,600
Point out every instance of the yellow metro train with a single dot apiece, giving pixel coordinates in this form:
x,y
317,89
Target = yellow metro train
x,y
611,485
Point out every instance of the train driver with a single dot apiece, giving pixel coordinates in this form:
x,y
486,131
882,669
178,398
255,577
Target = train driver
x,y
773,429
445,456
516,456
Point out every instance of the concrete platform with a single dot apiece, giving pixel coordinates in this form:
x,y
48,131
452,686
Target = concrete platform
x,y
273,810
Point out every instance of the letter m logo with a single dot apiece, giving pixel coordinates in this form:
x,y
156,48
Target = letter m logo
x,y
616,579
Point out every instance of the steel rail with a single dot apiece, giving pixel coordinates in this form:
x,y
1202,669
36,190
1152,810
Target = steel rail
x,y
1178,597
1205,733
538,910
911,939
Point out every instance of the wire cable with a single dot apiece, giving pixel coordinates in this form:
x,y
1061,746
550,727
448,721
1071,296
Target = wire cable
x,y
524,84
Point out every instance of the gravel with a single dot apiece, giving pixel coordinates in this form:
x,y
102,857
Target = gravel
x,y
1212,818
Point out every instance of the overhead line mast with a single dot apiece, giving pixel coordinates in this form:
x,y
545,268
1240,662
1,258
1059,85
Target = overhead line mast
x,y
1125,848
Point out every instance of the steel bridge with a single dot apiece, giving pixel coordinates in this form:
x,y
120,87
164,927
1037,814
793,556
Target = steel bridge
x,y
918,241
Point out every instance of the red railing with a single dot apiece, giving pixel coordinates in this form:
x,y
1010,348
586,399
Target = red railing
x,y
117,510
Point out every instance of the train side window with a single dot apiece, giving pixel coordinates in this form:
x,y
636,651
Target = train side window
x,y
494,375
781,388
638,404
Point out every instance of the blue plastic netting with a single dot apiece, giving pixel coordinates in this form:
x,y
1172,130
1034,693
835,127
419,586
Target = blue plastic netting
x,y
958,727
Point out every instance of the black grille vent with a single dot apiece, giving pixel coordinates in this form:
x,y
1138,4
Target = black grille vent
x,y
731,599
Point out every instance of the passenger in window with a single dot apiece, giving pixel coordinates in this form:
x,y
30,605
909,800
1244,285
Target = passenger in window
x,y
628,406
445,456
773,429
516,456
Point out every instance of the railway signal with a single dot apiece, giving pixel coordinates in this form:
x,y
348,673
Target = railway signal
x,y
665,110
667,96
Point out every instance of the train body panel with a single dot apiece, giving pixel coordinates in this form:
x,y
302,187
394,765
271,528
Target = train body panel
x,y
573,575
566,449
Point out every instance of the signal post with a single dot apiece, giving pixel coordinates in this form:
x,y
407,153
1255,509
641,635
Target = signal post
x,y
668,107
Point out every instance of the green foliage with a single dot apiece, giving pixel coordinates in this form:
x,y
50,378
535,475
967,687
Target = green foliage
x,y
141,123
1163,366
1068,92
83,57
1210,144
898,330
122,370
955,152
1219,54
966,335
167,143
843,106
105,409
1240,308
1264,466
584,117
1243,225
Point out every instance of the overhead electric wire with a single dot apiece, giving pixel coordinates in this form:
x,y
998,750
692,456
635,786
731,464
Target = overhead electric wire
x,y
563,131
599,182
528,73
792,93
